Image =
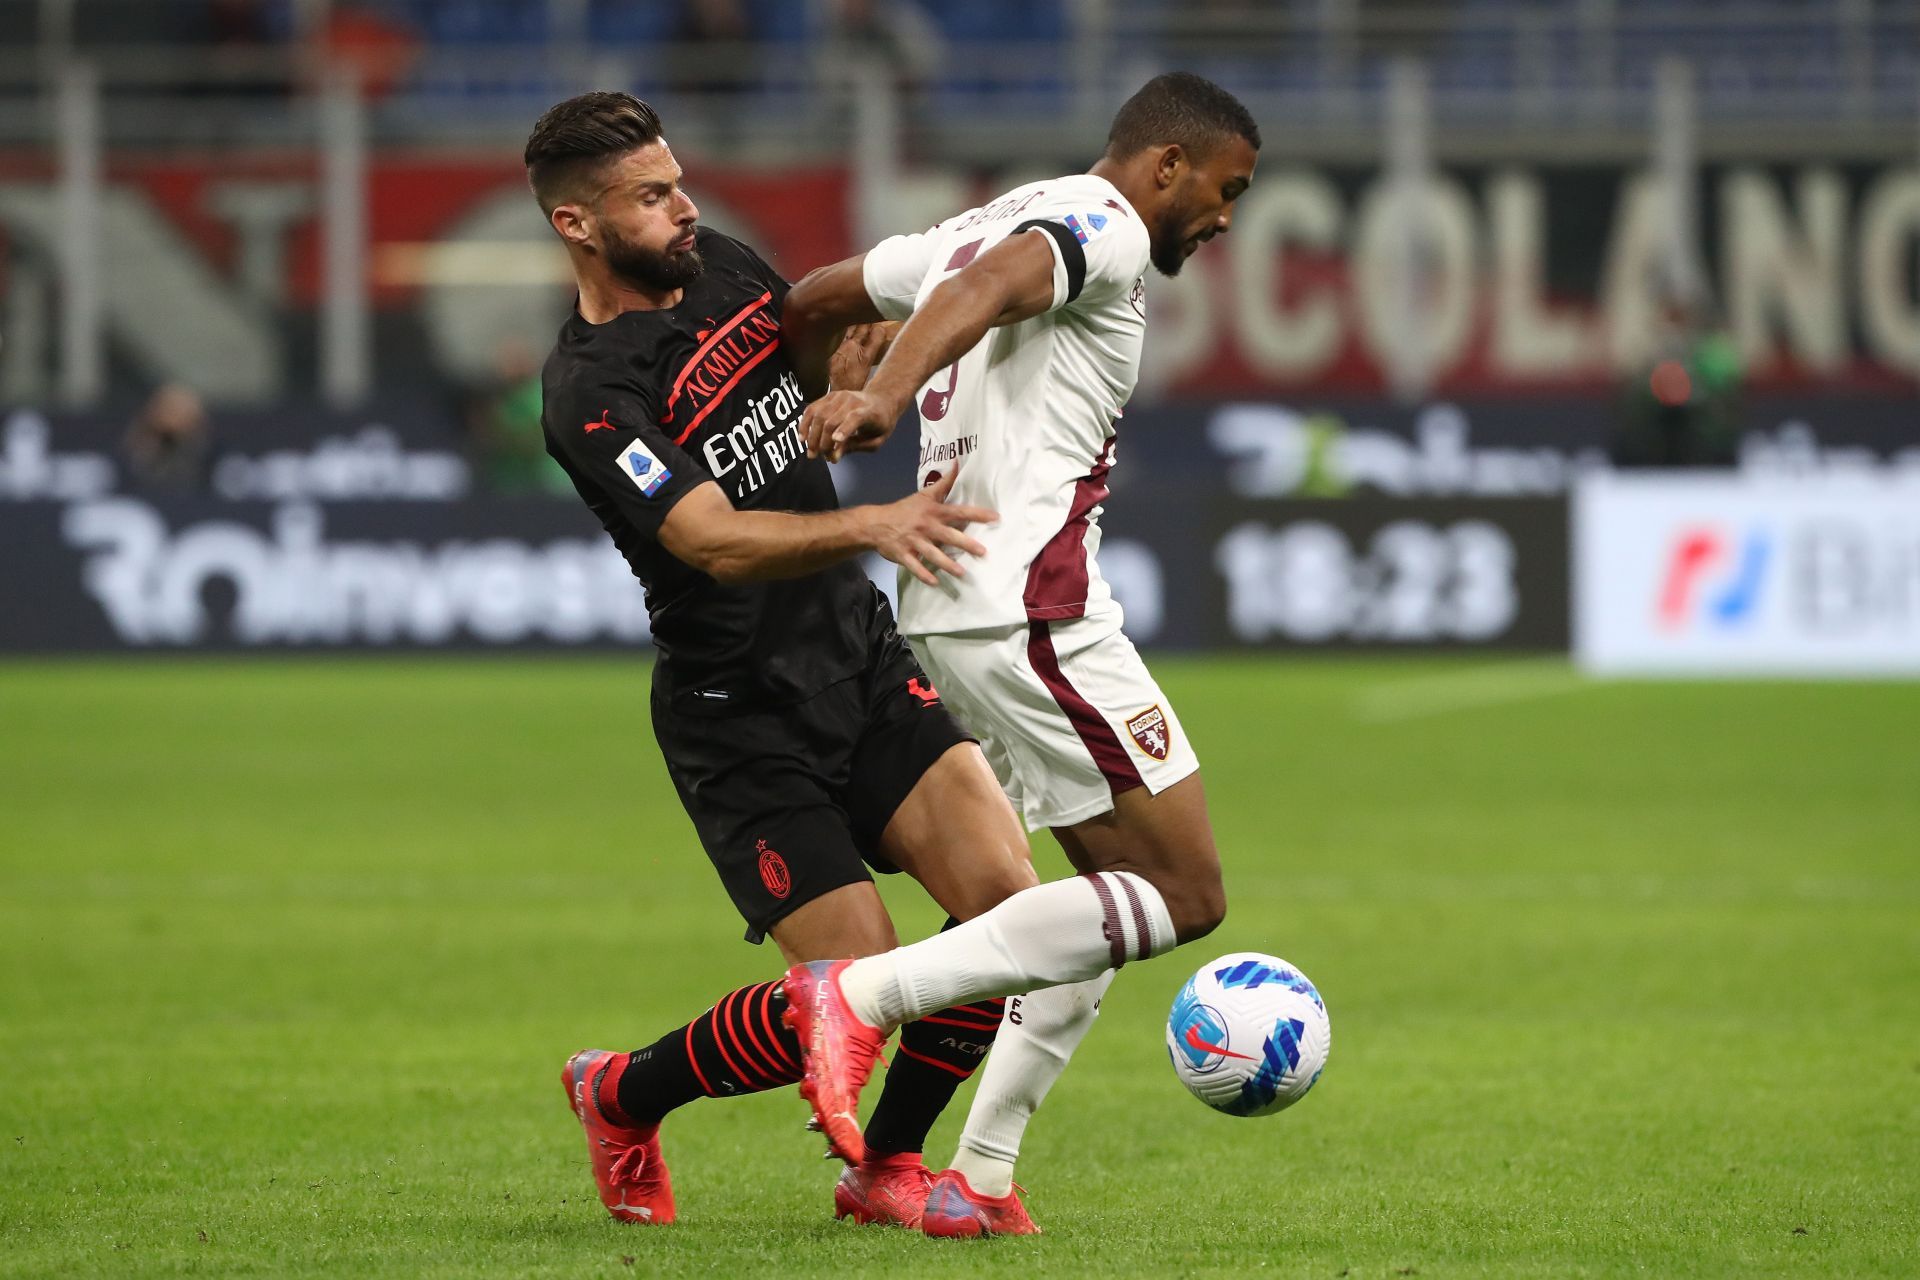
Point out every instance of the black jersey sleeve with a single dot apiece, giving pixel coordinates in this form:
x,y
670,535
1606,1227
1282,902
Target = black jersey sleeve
x,y
609,438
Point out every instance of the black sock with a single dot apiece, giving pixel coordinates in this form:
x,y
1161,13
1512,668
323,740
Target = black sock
x,y
738,1046
934,1056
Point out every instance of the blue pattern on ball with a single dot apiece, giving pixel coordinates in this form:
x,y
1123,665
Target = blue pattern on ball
x,y
1279,1055
1252,973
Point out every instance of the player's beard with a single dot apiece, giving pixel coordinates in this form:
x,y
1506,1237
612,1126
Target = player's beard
x,y
650,268
1169,247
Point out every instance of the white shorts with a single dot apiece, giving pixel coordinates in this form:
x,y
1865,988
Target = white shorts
x,y
1066,712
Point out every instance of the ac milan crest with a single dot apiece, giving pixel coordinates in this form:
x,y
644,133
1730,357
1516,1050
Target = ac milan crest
x,y
1149,730
773,871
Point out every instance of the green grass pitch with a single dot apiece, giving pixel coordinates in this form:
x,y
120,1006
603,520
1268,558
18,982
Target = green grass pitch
x,y
1623,978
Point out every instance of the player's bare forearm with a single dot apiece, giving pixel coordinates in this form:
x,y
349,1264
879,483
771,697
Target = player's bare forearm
x,y
1007,284
918,532
809,353
756,546
817,312
1011,282
953,319
729,545
860,420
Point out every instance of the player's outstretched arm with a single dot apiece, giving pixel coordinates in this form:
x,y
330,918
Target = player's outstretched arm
x,y
920,533
1011,282
817,311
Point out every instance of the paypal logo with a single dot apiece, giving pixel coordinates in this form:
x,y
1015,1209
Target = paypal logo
x,y
1714,578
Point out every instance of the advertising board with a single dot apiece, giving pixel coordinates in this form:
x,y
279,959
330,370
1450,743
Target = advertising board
x,y
1681,575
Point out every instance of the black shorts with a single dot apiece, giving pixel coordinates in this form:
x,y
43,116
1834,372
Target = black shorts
x,y
790,801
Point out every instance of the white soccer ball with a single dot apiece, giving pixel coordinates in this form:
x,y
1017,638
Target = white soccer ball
x,y
1248,1034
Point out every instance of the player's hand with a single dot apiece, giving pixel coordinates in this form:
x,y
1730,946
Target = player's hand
x,y
843,422
918,532
851,363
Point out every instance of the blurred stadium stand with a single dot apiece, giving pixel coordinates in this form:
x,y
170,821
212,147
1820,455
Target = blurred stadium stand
x,y
1039,70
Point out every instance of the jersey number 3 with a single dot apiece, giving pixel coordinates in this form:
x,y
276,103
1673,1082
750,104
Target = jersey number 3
x,y
935,403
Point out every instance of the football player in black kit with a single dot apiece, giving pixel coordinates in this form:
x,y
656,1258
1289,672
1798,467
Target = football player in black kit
x,y
805,742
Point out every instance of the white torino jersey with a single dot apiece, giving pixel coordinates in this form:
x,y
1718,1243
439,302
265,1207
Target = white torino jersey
x,y
1028,414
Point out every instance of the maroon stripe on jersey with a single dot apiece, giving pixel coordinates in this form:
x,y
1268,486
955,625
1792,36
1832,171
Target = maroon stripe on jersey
x,y
1139,916
1110,928
1057,579
1096,735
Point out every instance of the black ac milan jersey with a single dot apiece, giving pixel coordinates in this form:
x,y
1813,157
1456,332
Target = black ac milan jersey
x,y
645,408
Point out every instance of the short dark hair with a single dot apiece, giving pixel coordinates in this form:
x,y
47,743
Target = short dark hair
x,y
574,138
1180,107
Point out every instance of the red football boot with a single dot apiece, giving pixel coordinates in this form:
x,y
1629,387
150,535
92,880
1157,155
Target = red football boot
x,y
955,1209
889,1190
627,1166
839,1050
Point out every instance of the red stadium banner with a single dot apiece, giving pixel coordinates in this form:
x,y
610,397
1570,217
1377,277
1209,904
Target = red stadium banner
x,y
223,207
215,264
1535,278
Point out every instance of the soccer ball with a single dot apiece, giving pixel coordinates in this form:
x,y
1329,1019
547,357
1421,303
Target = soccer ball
x,y
1248,1034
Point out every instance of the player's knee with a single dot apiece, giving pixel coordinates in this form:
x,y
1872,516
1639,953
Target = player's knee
x,y
992,885
1009,880
1197,909
848,921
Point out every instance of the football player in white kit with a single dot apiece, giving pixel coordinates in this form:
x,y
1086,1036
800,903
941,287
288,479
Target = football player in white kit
x,y
1024,322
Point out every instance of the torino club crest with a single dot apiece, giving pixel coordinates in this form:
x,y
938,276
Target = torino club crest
x,y
1149,730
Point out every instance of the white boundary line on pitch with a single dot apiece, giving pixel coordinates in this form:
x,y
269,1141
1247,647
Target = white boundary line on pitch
x,y
1520,680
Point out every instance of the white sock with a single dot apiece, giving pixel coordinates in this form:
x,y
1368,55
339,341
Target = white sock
x,y
1028,1056
1064,931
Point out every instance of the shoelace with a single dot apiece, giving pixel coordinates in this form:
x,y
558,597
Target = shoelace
x,y
629,1166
